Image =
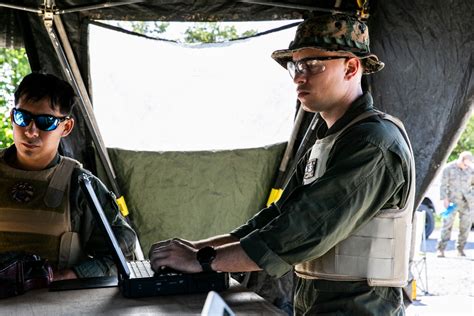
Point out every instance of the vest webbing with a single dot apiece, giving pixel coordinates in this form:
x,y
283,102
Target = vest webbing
x,y
379,251
37,220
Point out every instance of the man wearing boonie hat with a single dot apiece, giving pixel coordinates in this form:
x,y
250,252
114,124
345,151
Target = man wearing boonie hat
x,y
343,221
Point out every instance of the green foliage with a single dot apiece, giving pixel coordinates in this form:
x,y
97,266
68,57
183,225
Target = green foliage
x,y
145,28
212,32
14,66
466,141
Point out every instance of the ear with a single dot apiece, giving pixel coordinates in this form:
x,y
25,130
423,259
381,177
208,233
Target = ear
x,y
353,66
68,126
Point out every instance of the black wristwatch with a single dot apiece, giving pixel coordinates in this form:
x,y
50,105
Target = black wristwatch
x,y
205,256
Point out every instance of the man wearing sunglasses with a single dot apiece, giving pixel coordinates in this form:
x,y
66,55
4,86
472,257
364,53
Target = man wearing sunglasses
x,y
42,209
343,221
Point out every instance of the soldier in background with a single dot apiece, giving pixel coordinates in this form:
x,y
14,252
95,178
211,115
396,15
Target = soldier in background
x,y
456,187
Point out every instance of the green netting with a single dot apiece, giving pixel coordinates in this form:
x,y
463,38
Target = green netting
x,y
194,194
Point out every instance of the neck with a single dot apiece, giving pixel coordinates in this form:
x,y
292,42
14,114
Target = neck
x,y
26,163
337,111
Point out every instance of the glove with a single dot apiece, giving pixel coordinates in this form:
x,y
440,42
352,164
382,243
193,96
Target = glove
x,y
20,272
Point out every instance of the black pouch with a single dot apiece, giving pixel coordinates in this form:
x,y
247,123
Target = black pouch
x,y
20,272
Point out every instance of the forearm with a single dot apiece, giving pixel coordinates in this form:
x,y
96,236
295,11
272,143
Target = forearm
x,y
215,241
232,258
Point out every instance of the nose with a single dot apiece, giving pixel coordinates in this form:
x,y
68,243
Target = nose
x,y
299,78
31,131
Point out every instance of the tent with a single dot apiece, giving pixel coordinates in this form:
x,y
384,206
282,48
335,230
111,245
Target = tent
x,y
427,46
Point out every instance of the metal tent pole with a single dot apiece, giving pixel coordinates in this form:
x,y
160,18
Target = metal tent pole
x,y
71,70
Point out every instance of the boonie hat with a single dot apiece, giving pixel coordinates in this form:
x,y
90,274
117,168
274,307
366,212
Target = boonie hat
x,y
334,33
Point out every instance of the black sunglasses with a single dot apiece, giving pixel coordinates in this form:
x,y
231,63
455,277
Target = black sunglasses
x,y
44,122
310,65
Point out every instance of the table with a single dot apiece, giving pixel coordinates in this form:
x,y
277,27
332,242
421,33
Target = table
x,y
109,301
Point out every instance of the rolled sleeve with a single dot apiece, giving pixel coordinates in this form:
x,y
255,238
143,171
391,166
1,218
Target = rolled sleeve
x,y
257,250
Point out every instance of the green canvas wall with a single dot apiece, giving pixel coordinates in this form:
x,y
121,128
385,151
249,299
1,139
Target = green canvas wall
x,y
194,194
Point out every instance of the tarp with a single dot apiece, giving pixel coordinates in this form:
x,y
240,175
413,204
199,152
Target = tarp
x,y
194,195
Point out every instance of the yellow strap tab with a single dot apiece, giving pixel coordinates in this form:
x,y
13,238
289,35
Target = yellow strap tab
x,y
122,206
413,289
275,195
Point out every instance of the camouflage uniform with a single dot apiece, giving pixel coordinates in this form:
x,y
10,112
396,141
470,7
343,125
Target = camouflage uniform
x,y
456,186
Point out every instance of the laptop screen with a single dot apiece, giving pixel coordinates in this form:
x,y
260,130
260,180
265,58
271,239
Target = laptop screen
x,y
120,261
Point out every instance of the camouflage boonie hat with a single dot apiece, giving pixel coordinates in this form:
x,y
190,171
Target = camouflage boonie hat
x,y
335,33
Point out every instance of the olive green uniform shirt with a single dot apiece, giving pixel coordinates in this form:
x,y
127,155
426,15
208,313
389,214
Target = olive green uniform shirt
x,y
368,169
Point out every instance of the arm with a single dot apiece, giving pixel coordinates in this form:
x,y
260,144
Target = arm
x,y
361,179
313,218
93,242
444,187
181,256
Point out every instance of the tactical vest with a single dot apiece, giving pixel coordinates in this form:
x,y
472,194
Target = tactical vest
x,y
379,251
35,213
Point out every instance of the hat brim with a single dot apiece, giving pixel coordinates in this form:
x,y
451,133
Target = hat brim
x,y
371,62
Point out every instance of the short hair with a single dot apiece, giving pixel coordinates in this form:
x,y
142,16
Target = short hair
x,y
37,86
465,155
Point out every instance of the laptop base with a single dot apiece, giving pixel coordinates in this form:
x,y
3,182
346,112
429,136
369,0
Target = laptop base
x,y
178,284
85,283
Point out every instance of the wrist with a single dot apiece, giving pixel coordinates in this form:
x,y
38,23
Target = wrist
x,y
205,256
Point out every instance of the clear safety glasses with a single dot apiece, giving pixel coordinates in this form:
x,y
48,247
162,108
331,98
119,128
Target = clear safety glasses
x,y
310,65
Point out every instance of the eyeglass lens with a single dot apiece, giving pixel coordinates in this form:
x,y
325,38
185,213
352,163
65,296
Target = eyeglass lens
x,y
44,122
305,67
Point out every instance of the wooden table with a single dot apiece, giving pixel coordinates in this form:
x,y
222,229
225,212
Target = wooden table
x,y
109,301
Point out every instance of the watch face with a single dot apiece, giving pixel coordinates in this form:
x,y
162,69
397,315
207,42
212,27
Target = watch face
x,y
206,254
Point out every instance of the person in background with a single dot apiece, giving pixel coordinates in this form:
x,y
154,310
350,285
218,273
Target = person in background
x,y
42,209
343,223
457,188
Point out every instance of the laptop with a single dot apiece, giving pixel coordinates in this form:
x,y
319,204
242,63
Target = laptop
x,y
136,278
216,306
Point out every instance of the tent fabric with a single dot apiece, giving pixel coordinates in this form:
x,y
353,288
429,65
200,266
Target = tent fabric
x,y
426,45
194,194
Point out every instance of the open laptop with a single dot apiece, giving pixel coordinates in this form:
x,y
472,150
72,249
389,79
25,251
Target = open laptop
x,y
135,278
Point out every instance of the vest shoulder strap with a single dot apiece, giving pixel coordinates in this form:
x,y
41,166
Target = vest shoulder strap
x,y
60,180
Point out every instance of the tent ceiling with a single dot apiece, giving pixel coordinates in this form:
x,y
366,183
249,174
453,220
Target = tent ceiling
x,y
197,10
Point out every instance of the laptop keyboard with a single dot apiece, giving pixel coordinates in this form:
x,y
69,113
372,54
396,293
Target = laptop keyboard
x,y
141,268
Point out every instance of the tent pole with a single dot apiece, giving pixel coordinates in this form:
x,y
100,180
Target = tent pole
x,y
69,65
21,8
103,5
277,189
71,70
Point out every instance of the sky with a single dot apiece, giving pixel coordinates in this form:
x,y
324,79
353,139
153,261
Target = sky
x,y
160,96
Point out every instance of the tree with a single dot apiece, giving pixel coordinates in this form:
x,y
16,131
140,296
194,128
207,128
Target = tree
x,y
465,142
14,66
145,28
212,32
199,32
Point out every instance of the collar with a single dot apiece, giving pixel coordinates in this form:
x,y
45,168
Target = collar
x,y
10,158
362,104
